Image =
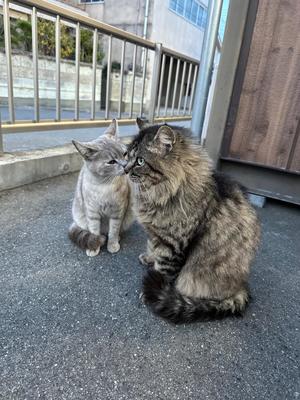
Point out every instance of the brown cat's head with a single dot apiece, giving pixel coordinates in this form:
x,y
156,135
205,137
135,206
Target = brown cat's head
x,y
156,157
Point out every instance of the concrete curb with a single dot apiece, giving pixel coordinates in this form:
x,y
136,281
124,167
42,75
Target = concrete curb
x,y
17,169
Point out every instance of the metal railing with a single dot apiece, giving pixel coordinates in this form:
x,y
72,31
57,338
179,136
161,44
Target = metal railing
x,y
171,76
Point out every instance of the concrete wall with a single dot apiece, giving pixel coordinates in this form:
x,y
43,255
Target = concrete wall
x,y
23,81
23,84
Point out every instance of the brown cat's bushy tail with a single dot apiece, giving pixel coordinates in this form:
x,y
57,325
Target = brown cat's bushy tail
x,y
83,238
167,302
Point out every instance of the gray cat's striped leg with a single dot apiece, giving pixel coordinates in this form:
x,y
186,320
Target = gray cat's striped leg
x,y
113,245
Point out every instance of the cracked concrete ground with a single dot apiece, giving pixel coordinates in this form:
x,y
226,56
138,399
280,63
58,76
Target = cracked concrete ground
x,y
72,327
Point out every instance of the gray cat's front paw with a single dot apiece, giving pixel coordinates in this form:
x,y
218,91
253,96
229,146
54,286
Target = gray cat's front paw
x,y
146,260
92,253
113,247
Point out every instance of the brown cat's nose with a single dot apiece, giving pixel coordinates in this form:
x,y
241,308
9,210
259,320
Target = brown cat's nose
x,y
127,168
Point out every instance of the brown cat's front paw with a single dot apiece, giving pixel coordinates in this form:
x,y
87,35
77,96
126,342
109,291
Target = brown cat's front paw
x,y
146,260
142,297
113,247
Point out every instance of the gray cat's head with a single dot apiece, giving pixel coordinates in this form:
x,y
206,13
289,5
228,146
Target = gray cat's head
x,y
104,156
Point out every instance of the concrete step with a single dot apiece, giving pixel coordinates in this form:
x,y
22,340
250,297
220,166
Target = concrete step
x,y
17,169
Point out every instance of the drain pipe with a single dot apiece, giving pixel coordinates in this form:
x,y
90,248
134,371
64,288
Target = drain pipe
x,y
146,16
146,19
206,66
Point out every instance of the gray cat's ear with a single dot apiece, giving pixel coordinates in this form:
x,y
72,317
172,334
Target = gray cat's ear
x,y
87,150
165,139
142,123
113,130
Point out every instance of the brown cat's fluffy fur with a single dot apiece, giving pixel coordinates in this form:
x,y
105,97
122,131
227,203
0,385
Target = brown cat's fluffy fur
x,y
202,231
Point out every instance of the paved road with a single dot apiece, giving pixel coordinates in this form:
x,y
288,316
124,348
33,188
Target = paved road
x,y
73,328
41,140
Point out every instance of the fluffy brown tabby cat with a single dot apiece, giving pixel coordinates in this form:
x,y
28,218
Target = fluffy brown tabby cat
x,y
202,231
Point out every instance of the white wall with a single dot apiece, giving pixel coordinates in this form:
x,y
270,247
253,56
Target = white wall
x,y
175,32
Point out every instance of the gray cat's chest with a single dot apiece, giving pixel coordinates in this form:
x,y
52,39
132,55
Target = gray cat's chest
x,y
103,199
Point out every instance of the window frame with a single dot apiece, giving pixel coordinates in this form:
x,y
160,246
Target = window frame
x,y
91,1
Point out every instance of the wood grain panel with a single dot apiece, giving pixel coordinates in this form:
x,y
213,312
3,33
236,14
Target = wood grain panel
x,y
294,159
269,106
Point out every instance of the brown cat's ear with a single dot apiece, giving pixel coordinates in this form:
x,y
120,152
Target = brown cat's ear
x,y
113,130
165,139
142,123
86,150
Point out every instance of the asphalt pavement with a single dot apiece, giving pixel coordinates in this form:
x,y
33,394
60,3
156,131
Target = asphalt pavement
x,y
72,327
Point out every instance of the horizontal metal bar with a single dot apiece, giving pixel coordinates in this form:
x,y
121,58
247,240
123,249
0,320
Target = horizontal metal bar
x,y
25,127
183,57
71,15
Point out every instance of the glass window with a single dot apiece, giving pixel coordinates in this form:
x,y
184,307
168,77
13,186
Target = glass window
x,y
191,10
188,9
180,6
194,13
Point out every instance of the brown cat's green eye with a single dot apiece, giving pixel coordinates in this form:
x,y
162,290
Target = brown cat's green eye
x,y
140,161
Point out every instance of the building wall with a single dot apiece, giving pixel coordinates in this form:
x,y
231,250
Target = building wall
x,y
164,25
174,31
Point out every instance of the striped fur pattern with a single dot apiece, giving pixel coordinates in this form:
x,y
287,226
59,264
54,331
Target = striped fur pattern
x,y
202,232
102,203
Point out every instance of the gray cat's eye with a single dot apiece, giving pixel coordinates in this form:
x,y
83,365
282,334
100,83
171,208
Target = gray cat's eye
x,y
112,162
140,161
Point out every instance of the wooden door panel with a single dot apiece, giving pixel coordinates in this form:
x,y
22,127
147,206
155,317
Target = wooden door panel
x,y
269,107
295,154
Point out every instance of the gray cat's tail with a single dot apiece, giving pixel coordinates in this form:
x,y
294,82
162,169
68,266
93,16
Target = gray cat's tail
x,y
167,302
83,238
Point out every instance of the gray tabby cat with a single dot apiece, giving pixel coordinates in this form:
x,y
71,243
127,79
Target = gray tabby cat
x,y
202,231
102,202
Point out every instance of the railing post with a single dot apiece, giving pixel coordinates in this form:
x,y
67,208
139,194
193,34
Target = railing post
x,y
206,65
155,81
1,137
